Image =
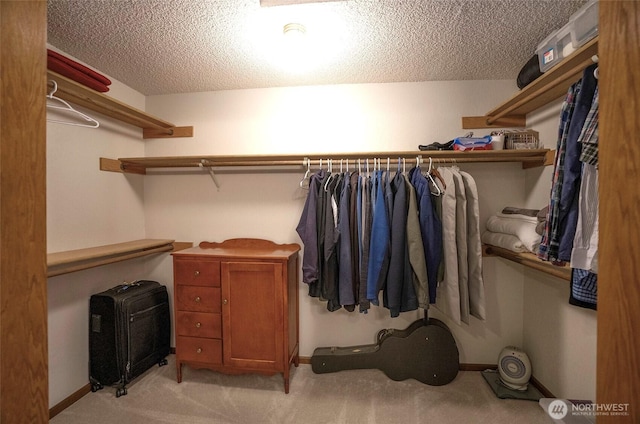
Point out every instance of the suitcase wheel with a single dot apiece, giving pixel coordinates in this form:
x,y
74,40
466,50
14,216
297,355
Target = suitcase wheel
x,y
163,362
95,385
121,392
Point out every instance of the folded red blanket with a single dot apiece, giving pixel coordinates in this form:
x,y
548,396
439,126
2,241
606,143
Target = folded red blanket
x,y
73,73
79,67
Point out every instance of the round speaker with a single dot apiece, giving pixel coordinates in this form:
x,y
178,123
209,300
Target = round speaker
x,y
514,368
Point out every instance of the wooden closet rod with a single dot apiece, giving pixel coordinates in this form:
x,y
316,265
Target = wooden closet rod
x,y
312,162
316,162
528,158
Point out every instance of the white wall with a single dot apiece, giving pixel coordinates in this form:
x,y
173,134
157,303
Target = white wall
x,y
349,118
87,207
559,338
68,303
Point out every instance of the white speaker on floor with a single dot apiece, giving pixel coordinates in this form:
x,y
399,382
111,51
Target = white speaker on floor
x,y
514,368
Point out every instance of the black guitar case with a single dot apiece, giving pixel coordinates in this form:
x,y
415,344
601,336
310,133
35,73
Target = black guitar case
x,y
425,351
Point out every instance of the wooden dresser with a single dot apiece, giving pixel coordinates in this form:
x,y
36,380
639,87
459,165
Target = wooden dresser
x,y
236,307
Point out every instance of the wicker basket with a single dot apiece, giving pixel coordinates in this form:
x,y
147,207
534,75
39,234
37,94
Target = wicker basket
x,y
521,139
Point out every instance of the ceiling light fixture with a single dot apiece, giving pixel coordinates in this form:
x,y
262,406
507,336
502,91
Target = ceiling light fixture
x,y
296,48
268,3
295,30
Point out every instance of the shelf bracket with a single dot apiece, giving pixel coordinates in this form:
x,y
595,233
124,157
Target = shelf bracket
x,y
548,160
172,132
203,163
511,121
115,165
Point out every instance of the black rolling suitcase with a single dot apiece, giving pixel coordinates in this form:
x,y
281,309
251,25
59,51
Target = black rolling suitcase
x,y
129,331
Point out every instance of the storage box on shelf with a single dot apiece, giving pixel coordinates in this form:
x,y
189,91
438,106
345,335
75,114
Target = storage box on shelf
x,y
585,24
551,86
554,48
582,27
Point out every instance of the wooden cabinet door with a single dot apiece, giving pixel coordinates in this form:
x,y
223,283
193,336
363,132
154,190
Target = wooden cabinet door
x,y
253,315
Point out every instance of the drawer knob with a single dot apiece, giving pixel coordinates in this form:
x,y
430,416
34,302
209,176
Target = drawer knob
x,y
198,325
225,301
199,350
197,299
196,273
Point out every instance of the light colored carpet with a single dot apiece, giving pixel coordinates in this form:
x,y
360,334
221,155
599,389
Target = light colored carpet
x,y
355,396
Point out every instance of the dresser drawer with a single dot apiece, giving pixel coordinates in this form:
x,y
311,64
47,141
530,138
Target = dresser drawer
x,y
198,299
198,324
199,349
196,273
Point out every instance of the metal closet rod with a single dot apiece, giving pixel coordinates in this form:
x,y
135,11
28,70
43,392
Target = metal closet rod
x,y
348,162
341,163
306,162
534,157
315,162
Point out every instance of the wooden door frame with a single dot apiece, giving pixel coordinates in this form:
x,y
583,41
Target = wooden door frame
x,y
618,358
24,388
23,337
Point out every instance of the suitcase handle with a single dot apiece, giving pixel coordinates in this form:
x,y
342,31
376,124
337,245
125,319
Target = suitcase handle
x,y
126,286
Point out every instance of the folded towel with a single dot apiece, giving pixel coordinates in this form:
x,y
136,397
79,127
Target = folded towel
x,y
540,227
518,217
542,215
520,211
79,67
506,241
74,74
524,229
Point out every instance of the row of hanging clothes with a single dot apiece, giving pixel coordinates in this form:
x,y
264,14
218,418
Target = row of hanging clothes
x,y
571,231
412,238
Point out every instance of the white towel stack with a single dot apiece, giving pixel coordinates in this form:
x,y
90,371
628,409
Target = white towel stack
x,y
513,231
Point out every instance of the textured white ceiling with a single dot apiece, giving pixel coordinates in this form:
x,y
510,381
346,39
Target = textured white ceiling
x,y
178,46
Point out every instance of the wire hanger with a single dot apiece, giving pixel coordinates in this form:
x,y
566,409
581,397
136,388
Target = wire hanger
x,y
438,192
67,108
331,175
304,182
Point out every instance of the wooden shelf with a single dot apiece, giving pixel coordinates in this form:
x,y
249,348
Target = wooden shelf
x,y
529,260
551,86
529,158
80,95
75,260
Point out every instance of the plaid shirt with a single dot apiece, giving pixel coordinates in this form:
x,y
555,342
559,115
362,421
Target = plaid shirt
x,y
584,288
589,135
548,250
